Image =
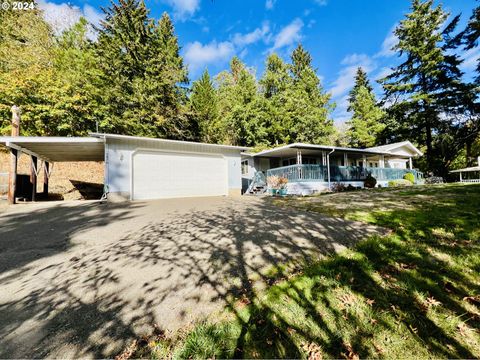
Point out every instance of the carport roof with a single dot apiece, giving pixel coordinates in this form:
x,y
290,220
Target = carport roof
x,y
92,148
58,149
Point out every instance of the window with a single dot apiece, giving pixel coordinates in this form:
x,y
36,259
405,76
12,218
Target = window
x,y
309,161
287,162
244,167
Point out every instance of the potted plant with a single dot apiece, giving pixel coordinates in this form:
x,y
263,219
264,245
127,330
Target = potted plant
x,y
272,183
277,185
282,184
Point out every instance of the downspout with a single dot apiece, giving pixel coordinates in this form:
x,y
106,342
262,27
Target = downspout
x,y
328,167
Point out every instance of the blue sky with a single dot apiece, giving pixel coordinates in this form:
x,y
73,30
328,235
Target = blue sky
x,y
340,34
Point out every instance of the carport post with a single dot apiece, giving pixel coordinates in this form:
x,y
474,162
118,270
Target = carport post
x,y
12,175
33,176
45,179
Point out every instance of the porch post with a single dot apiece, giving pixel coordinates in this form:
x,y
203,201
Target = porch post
x,y
410,163
345,159
364,161
33,176
381,162
324,158
461,177
46,174
299,157
12,174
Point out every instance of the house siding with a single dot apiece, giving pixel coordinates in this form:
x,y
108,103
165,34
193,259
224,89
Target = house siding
x,y
118,157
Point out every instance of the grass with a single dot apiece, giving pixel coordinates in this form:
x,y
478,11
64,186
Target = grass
x,y
413,293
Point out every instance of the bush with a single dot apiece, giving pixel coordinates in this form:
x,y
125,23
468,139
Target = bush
x,y
338,187
370,182
434,180
410,177
399,183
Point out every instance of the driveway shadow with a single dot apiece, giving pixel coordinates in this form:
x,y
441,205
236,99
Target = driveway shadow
x,y
82,281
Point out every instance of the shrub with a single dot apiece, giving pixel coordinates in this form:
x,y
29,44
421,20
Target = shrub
x,y
410,177
338,187
370,182
399,183
434,180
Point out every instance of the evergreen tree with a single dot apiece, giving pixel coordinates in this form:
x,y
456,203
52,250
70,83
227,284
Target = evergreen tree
x,y
366,124
472,34
361,80
241,107
274,84
426,88
307,106
141,64
204,105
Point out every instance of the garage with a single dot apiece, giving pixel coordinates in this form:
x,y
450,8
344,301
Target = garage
x,y
140,168
161,174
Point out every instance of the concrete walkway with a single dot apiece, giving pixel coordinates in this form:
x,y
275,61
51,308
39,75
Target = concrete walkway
x,y
82,279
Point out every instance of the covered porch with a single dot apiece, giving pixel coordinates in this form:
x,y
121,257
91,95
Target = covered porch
x,y
469,174
336,173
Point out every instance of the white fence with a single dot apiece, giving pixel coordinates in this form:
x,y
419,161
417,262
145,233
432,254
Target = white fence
x,y
470,181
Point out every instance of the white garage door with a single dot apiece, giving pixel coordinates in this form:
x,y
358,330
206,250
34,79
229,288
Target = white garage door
x,y
158,175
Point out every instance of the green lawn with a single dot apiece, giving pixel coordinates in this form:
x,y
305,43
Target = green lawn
x,y
414,293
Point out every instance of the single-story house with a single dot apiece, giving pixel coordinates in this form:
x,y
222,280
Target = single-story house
x,y
311,168
139,168
469,174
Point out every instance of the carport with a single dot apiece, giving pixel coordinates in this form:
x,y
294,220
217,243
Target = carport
x,y
44,152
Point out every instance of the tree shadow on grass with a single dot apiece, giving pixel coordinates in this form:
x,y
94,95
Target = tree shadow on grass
x,y
393,296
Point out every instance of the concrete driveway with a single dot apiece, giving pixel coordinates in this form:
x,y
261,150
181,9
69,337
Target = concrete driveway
x,y
82,279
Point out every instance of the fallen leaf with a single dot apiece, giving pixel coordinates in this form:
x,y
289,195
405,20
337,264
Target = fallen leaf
x,y
370,302
431,301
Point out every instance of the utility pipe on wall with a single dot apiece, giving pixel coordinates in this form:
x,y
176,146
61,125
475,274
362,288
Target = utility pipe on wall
x,y
328,167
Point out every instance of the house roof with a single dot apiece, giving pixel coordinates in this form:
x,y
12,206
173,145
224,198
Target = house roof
x,y
380,150
57,149
92,148
167,141
468,169
393,146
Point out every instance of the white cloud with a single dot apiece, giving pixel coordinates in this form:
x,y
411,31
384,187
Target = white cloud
x,y
354,59
92,15
321,2
252,37
288,35
470,59
384,71
63,16
390,41
198,55
184,8
269,4
345,79
59,16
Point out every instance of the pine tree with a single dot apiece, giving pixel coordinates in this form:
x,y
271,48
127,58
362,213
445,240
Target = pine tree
x,y
365,124
472,34
274,84
241,108
361,80
426,84
204,105
307,106
141,64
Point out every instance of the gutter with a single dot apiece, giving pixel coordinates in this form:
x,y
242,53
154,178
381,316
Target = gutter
x,y
328,168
